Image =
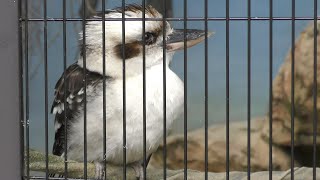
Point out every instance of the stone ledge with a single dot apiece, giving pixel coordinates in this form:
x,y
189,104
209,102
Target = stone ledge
x,y
75,170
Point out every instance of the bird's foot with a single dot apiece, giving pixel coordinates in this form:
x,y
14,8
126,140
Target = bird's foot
x,y
99,170
138,169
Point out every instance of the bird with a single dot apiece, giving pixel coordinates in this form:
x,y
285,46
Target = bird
x,y
71,94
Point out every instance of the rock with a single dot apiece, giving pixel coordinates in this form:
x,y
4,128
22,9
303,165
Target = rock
x,y
303,95
217,150
299,173
75,170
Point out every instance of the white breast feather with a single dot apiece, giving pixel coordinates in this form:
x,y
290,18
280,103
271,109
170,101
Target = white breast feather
x,y
134,118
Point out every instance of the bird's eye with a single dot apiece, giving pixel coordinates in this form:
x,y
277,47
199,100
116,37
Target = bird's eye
x,y
149,38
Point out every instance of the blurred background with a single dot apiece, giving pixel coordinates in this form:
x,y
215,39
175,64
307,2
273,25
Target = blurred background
x,y
217,56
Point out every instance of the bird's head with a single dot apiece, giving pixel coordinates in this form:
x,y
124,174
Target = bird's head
x,y
132,49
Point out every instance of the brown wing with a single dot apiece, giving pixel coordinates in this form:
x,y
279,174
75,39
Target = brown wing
x,y
69,95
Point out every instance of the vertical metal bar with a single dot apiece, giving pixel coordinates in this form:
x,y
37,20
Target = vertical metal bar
x,y
227,91
84,88
45,44
249,88
104,88
124,91
270,84
206,88
315,86
185,55
292,86
65,89
21,97
26,36
144,88
164,38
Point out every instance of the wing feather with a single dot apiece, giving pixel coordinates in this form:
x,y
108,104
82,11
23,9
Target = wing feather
x,y
69,95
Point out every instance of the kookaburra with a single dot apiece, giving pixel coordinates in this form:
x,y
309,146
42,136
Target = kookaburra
x,y
73,81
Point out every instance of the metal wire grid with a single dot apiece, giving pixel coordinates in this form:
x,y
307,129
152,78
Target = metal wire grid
x,y
24,81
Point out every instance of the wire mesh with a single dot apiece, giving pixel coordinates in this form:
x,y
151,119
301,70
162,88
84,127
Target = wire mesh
x,y
23,52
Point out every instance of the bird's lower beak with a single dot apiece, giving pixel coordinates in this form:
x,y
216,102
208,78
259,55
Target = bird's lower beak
x,y
193,36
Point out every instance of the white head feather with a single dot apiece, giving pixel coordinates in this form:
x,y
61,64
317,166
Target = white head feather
x,y
113,39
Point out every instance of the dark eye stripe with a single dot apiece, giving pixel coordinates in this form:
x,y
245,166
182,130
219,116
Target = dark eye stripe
x,y
130,50
133,49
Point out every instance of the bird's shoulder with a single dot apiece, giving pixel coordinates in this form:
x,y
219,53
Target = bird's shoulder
x,y
69,88
68,99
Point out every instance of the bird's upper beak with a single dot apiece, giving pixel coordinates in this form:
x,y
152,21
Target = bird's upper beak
x,y
193,36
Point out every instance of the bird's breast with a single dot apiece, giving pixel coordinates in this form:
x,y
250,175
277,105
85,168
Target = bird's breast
x,y
140,104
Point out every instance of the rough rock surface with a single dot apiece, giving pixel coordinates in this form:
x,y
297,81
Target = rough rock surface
x,y
75,170
303,94
217,150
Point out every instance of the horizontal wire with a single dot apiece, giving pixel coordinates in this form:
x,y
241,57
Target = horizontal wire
x,y
179,19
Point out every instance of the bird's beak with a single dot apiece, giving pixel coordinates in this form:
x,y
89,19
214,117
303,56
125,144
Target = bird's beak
x,y
193,36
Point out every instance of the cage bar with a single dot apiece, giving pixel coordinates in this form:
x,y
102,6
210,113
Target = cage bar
x,y
249,90
164,53
270,84
144,89
64,33
185,89
292,86
26,58
104,105
227,90
206,88
45,39
124,91
21,90
84,53
315,87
